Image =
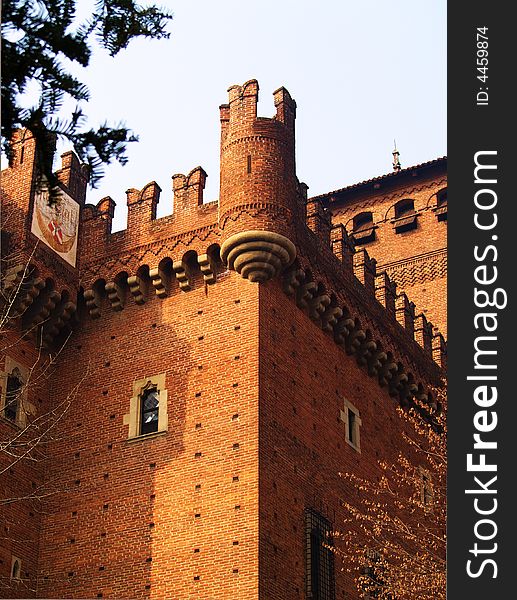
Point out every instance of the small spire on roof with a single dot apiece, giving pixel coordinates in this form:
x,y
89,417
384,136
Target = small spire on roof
x,y
396,162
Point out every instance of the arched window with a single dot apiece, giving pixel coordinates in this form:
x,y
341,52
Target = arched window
x,y
16,568
363,228
12,396
405,216
441,205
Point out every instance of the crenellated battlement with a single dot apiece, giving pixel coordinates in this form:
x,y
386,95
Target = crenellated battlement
x,y
401,219
262,227
213,368
240,114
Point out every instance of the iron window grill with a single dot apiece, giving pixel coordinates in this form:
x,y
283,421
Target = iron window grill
x,y
319,557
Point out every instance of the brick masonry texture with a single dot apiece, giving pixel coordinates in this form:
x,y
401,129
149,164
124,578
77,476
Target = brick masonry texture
x,y
256,373
416,259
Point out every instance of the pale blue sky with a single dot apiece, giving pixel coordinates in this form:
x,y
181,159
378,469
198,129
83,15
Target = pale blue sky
x,y
362,73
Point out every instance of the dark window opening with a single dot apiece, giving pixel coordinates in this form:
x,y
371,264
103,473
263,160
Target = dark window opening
x,y
351,427
319,556
441,205
149,410
373,577
404,208
364,229
249,163
405,216
426,490
16,572
12,396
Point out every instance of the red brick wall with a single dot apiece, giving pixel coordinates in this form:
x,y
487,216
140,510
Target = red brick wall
x,y
21,481
255,390
207,342
303,377
415,259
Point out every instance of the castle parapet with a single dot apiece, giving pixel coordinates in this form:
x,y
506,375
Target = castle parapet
x,y
386,292
285,107
319,220
188,190
142,204
405,313
343,246
74,175
424,333
243,102
365,270
439,350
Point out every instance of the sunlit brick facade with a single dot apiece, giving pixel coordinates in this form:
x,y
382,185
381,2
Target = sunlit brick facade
x,y
212,371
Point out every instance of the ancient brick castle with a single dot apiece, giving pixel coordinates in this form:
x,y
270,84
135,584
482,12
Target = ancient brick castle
x,y
178,399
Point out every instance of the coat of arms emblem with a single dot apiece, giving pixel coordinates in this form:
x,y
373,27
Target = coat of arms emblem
x,y
57,224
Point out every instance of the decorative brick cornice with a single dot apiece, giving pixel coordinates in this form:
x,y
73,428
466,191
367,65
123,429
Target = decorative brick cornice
x,y
255,209
418,269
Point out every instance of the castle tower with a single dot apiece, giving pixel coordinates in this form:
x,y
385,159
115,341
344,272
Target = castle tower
x,y
258,184
197,424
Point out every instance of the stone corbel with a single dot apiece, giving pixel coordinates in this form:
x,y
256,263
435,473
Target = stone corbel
x,y
137,288
57,323
93,303
207,266
292,281
330,318
46,308
317,306
354,340
343,328
375,362
182,275
305,293
31,291
397,382
115,295
365,351
159,281
13,279
387,371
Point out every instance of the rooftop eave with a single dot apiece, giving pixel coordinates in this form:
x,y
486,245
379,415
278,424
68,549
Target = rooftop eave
x,y
389,178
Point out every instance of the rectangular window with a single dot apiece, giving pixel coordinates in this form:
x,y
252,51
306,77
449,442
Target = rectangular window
x,y
149,410
373,581
426,489
352,420
351,427
14,404
319,557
